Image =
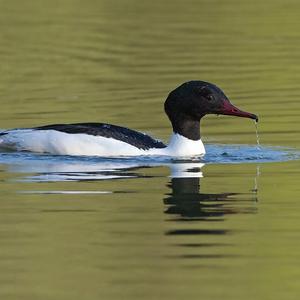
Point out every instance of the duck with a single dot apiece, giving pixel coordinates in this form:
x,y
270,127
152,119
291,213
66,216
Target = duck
x,y
185,107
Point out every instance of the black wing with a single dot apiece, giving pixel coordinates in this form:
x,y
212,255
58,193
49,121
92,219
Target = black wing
x,y
132,137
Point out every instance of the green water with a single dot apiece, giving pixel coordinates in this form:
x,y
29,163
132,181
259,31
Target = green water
x,y
232,234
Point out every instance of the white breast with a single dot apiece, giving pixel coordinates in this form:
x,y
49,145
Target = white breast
x,y
182,146
56,142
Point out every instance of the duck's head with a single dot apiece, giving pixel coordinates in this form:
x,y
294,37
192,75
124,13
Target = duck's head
x,y
188,103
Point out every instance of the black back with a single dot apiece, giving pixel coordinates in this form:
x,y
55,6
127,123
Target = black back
x,y
132,137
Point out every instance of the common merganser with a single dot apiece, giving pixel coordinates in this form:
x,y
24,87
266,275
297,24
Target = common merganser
x,y
185,106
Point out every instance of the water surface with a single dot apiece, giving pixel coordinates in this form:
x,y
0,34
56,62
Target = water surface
x,y
226,226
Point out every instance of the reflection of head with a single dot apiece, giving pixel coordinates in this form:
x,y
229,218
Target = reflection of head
x,y
186,201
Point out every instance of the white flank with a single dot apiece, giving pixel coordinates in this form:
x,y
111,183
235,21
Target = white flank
x,y
55,142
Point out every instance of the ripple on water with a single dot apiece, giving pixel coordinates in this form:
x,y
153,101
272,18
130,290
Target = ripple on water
x,y
51,168
247,153
216,153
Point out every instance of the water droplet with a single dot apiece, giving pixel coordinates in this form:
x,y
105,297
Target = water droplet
x,y
257,136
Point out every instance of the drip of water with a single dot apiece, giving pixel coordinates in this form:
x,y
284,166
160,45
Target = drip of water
x,y
255,190
257,136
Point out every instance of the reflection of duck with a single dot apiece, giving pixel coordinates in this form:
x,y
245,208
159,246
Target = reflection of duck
x,y
185,106
186,201
186,169
55,168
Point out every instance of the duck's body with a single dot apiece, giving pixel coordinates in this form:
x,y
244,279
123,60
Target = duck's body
x,y
96,139
185,107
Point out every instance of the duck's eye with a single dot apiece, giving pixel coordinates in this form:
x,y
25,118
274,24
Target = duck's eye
x,y
210,97
206,93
